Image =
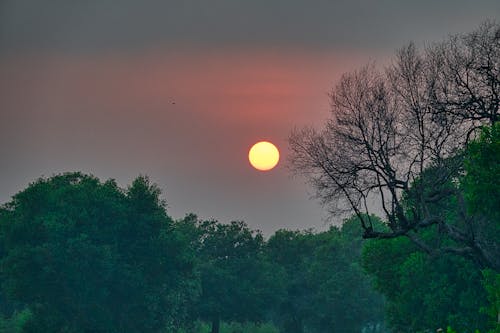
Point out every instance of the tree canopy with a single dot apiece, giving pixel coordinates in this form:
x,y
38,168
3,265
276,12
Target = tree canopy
x,y
88,256
81,255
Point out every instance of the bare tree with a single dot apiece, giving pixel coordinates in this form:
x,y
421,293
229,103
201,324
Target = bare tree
x,y
394,141
465,74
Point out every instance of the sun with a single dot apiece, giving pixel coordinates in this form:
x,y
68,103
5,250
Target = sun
x,y
263,156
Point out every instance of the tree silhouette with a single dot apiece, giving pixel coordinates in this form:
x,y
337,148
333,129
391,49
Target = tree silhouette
x,y
394,141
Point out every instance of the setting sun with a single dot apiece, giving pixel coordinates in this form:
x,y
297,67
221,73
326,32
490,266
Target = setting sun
x,y
263,156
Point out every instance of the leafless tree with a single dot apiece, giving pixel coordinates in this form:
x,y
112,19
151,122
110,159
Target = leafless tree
x,y
394,140
466,74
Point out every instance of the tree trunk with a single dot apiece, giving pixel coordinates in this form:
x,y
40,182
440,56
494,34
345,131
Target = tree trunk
x,y
215,325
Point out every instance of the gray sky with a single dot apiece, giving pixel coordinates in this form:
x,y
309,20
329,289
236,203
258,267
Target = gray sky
x,y
96,25
180,90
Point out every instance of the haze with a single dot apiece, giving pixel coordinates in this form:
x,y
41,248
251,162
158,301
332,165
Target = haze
x,y
180,90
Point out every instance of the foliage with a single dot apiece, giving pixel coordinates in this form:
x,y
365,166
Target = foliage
x,y
236,280
88,256
80,255
326,289
248,327
481,187
482,172
291,252
491,283
425,292
17,323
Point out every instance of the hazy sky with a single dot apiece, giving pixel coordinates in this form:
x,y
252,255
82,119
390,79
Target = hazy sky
x,y
180,90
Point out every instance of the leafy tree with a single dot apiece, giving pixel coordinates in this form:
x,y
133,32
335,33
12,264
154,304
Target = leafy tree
x,y
424,292
481,187
326,288
427,292
236,281
291,252
17,322
86,256
343,298
491,283
482,192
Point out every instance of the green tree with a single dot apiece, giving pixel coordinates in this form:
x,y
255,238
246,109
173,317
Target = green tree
x,y
291,252
86,256
424,292
427,292
481,187
491,283
235,278
343,298
326,288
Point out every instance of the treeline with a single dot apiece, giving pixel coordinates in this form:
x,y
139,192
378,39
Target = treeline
x,y
81,255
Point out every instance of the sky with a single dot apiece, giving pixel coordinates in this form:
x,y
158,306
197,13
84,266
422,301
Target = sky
x,y
180,90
